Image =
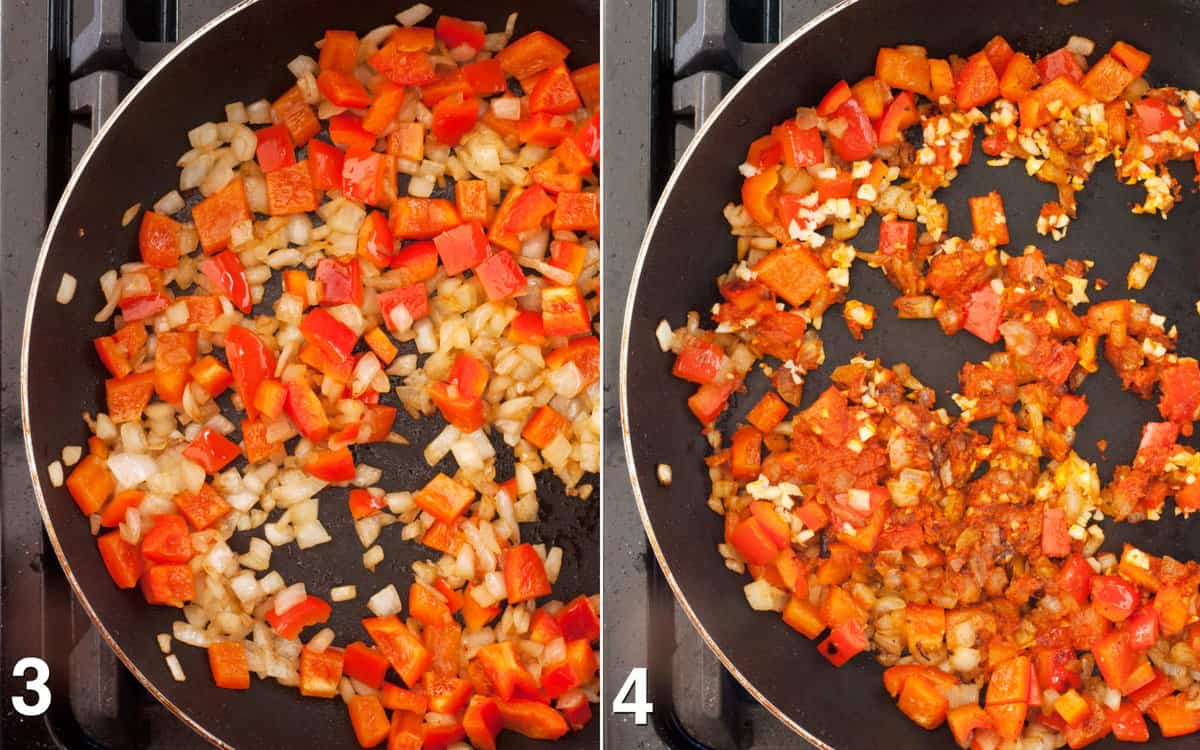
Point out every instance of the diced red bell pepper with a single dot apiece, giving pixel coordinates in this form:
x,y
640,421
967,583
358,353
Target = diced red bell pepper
x,y
1180,384
369,720
386,103
159,240
1075,578
311,611
524,574
121,559
251,362
305,410
1019,77
904,69
588,137
211,450
555,92
1142,627
375,244
343,89
216,215
112,354
1128,724
418,259
168,585
1056,542
1060,62
564,312
485,77
369,177
290,190
403,68
984,314
426,606
544,129
752,541
897,237
792,272
365,503
346,130
587,83
404,650
461,248
1131,57
275,149
341,282
745,453
227,662
1114,658
1106,79
453,118
412,298
531,54
444,498
543,426
976,83
203,508
114,512
422,218
843,643
709,400
211,375
339,51
482,722
143,306
527,328
294,112
768,412
832,101
126,398
459,409
500,276
225,270
857,139
529,211
174,355
987,216
901,114
924,701
569,256
578,619
1114,597
1007,696
335,465
1154,116
532,718
505,671
1175,716
455,32
325,165
328,333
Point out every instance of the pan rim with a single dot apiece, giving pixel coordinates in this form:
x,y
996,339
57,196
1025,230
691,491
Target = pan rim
x,y
26,425
623,374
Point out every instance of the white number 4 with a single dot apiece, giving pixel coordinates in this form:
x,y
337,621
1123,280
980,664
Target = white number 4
x,y
640,708
35,685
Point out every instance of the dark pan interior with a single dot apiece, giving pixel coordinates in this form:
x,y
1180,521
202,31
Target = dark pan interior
x,y
690,245
244,58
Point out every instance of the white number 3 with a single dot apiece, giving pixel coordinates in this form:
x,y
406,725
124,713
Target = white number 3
x,y
36,685
640,708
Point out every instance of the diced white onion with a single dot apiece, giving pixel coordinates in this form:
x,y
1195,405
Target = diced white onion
x,y
385,602
66,289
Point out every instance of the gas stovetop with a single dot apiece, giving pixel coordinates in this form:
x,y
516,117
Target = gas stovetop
x,y
66,65
669,62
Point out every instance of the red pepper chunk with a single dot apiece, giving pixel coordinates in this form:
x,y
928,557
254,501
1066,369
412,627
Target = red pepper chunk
x,y
482,722
404,650
305,410
455,32
486,77
901,114
414,301
500,276
335,465
1175,716
251,363
976,83
577,212
984,314
346,130
121,559
578,620
368,719
453,117
699,361
225,270
583,352
275,149
204,508
444,498
365,503
375,242
216,215
544,426
388,101
403,68
422,218
311,611
227,661
462,247
343,89
328,333
564,312
554,92
426,606
531,54
158,240
290,190
753,543
339,51
341,283
1075,578
524,574
212,450
1060,62
1128,724
1056,542
143,306
320,673
168,585
844,642
112,354
1114,597
857,139
461,410
368,177
1180,384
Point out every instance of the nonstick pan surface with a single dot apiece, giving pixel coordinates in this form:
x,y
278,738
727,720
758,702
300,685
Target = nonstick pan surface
x,y
688,245
241,55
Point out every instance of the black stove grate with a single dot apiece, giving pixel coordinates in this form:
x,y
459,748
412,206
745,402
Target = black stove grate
x,y
74,61
688,56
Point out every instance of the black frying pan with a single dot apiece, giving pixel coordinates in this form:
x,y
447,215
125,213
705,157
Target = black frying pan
x,y
688,245
242,55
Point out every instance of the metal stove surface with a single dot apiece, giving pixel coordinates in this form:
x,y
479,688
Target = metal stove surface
x,y
64,66
668,63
